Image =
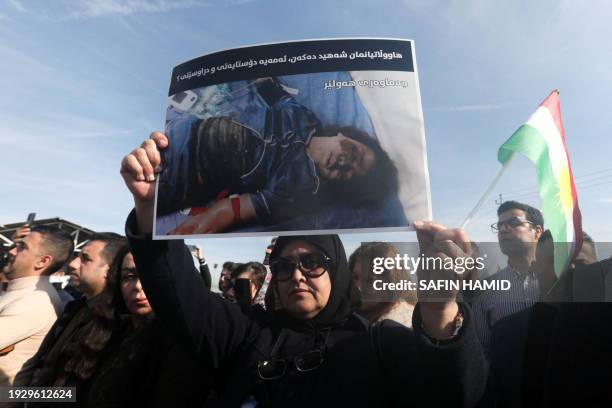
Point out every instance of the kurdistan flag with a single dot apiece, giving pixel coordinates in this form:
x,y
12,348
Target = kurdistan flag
x,y
542,140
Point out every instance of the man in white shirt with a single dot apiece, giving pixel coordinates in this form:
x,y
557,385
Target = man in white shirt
x,y
30,305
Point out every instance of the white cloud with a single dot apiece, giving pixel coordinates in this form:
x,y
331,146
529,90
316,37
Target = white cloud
x,y
62,10
41,75
474,107
535,38
58,126
100,8
17,5
62,136
63,165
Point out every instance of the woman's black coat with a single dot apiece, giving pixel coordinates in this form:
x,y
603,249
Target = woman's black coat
x,y
390,366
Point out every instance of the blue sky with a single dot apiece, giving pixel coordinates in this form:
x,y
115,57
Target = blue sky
x,y
84,82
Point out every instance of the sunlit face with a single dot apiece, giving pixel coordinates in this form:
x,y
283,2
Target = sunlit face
x,y
73,278
88,271
518,239
363,282
301,296
131,289
26,258
224,280
347,158
359,278
364,278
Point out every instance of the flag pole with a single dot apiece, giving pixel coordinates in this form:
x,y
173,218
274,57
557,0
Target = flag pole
x,y
486,193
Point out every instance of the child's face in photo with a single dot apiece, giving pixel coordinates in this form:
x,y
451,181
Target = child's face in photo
x,y
347,158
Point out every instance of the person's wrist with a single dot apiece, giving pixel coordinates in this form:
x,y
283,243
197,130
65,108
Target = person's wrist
x,y
138,202
439,319
144,215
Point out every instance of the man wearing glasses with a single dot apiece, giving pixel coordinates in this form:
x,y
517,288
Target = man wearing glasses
x,y
518,228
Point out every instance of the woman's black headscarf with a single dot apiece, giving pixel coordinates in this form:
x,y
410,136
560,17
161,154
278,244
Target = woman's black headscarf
x,y
344,297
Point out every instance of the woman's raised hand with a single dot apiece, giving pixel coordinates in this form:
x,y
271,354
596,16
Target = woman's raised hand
x,y
139,167
138,170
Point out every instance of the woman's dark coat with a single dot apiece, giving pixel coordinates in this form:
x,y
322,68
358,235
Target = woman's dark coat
x,y
390,366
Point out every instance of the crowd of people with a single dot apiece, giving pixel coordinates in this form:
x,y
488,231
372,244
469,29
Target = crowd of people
x,y
300,328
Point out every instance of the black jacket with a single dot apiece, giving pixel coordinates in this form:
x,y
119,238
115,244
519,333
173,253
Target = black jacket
x,y
392,366
146,369
556,353
205,274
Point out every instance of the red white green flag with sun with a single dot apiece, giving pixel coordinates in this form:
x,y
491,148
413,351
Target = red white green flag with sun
x,y
542,140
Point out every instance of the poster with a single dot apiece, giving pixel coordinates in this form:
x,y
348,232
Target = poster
x,y
305,137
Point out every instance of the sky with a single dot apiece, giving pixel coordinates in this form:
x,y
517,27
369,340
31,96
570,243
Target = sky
x,y
83,82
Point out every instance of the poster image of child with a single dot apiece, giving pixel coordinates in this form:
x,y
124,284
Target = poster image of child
x,y
269,155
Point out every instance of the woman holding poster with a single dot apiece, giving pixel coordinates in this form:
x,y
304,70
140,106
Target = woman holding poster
x,y
310,349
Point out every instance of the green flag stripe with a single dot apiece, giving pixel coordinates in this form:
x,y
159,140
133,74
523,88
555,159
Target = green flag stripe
x,y
528,141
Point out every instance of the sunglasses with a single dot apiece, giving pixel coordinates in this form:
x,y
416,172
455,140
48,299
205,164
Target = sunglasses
x,y
511,223
275,368
312,265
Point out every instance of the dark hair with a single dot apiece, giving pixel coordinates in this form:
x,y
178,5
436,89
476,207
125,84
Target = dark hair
x,y
57,243
113,242
380,181
97,333
230,266
546,236
532,214
366,254
105,309
257,270
113,282
586,239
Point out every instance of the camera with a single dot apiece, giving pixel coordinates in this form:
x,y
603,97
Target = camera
x,y
4,260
